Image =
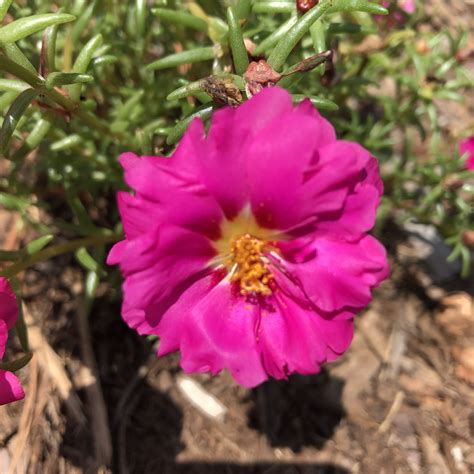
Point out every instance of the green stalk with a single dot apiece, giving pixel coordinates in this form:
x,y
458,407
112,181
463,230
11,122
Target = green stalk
x,y
56,250
239,52
284,47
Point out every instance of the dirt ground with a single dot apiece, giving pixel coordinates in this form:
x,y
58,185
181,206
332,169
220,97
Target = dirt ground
x,y
401,400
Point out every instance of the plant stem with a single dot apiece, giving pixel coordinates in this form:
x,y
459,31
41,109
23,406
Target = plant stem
x,y
56,250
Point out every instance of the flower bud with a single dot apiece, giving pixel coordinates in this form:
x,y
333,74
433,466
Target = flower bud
x,y
468,237
304,5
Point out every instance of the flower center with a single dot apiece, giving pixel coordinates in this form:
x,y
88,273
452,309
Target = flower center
x,y
248,267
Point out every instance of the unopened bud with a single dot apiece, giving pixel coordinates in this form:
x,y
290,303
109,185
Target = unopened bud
x,y
304,5
468,237
452,182
259,75
421,46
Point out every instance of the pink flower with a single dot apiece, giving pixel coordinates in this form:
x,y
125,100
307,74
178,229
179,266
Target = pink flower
x,y
408,6
10,387
397,12
467,146
247,249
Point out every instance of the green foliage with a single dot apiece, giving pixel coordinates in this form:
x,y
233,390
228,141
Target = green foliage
x,y
84,81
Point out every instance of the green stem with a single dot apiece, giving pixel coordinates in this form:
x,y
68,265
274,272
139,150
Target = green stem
x,y
38,82
56,250
286,44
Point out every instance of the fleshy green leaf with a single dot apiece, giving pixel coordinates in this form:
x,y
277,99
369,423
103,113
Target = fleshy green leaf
x,y
181,18
13,85
272,39
37,244
357,6
14,114
82,63
56,79
286,44
239,52
274,7
14,365
16,54
186,57
23,27
181,126
4,6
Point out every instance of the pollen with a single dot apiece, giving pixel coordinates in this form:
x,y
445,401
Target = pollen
x,y
248,266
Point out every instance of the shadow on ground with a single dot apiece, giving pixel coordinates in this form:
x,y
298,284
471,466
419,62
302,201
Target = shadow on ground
x,y
303,411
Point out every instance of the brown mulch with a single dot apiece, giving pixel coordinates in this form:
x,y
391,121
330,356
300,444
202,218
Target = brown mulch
x,y
401,399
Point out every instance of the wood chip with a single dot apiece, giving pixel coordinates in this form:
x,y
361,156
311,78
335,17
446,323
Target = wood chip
x,y
200,398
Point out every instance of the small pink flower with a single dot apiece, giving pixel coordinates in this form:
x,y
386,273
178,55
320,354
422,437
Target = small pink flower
x,y
397,12
247,249
467,147
10,387
408,6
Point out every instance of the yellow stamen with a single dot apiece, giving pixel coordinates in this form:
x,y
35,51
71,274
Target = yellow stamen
x,y
251,272
242,248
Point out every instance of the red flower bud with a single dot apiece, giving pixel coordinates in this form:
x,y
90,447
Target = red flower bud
x,y
304,5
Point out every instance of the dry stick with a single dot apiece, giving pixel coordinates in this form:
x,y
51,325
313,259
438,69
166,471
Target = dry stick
x,y
35,440
95,397
392,413
19,445
52,365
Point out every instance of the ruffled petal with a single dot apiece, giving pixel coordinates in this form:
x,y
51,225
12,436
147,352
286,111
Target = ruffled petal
x,y
335,274
326,131
8,304
232,131
467,146
355,218
3,337
154,266
295,339
276,163
171,317
330,180
10,388
170,189
219,333
357,214
139,215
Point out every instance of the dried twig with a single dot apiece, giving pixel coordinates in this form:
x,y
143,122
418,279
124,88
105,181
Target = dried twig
x,y
396,405
19,446
95,397
53,366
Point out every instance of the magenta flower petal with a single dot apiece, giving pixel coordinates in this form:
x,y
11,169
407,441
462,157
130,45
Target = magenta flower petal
x,y
467,146
155,264
220,334
408,6
3,337
169,189
8,305
170,318
356,217
339,274
298,340
271,170
224,169
10,388
137,214
247,250
330,180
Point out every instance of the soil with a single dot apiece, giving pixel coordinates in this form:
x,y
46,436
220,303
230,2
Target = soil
x,y
401,400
